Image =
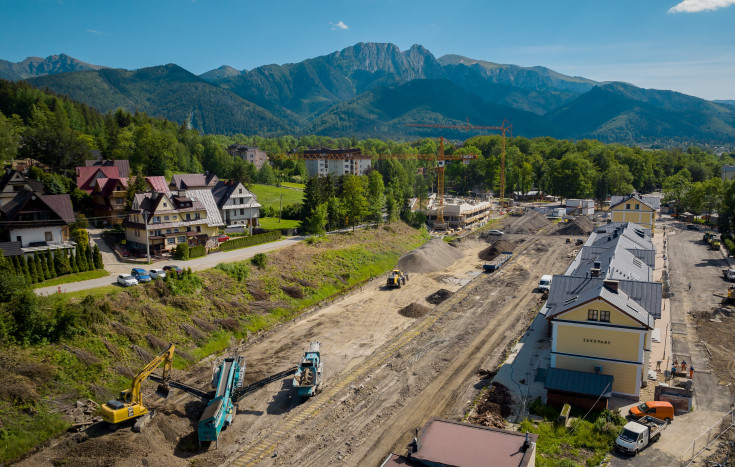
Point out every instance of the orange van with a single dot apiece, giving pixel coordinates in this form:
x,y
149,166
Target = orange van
x,y
659,409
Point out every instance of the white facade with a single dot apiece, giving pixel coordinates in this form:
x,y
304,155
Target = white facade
x,y
337,167
49,234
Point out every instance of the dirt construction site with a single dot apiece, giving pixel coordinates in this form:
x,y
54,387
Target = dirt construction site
x,y
393,357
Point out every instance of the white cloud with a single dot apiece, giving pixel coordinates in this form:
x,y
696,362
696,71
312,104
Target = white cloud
x,y
694,6
342,25
92,31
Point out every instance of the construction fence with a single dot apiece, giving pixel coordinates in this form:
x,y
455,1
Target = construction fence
x,y
705,439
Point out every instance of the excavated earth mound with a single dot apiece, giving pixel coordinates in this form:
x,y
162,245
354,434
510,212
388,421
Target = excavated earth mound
x,y
529,223
493,408
414,310
439,296
491,252
579,226
433,256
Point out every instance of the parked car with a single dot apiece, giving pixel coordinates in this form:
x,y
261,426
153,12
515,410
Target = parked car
x,y
692,227
157,273
495,232
140,275
126,280
659,409
173,268
223,238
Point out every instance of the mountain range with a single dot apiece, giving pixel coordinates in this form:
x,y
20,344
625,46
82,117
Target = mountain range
x,y
374,90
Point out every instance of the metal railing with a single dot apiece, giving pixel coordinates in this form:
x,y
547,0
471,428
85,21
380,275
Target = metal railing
x,y
702,441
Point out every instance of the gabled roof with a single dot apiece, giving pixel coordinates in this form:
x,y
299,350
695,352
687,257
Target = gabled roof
x,y
652,200
578,382
106,186
223,191
123,165
186,181
11,175
87,175
634,196
158,183
639,300
214,218
613,263
60,205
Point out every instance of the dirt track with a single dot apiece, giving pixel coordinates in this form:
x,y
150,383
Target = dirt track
x,y
385,374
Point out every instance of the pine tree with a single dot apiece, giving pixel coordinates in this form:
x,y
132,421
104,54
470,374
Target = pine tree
x,y
82,257
61,263
32,270
50,264
98,264
73,266
16,266
42,266
26,270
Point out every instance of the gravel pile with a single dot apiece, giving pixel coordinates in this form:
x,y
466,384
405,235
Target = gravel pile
x,y
579,226
414,310
492,252
439,296
529,223
434,256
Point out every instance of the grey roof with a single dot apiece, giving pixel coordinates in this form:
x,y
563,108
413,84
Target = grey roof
x,y
186,181
614,263
578,382
214,218
638,299
11,248
223,191
653,201
632,196
637,236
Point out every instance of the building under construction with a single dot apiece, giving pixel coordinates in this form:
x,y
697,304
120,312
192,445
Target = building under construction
x,y
459,213
322,161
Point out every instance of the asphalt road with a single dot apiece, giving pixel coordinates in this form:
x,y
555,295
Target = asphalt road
x,y
197,264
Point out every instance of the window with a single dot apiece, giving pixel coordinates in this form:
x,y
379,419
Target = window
x,y
627,206
199,228
181,239
176,230
605,316
188,229
119,200
188,217
157,219
171,241
242,212
137,233
168,231
637,207
18,239
591,315
239,190
165,205
49,236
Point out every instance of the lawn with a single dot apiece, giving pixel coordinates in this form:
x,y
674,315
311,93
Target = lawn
x,y
271,223
269,195
65,279
298,186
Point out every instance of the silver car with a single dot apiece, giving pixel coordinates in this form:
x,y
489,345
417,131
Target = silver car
x,y
157,273
126,280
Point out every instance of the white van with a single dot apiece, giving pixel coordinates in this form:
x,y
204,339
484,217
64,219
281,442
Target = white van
x,y
544,283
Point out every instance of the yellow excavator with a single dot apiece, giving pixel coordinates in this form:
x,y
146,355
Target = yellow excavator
x,y
130,403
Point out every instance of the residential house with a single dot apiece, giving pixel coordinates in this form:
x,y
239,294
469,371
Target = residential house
x,y
601,315
237,205
251,154
167,219
633,208
108,197
728,172
652,200
13,182
338,162
123,165
181,182
448,443
87,176
36,222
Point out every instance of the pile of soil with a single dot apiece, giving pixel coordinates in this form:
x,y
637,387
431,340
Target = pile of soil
x,y
439,296
582,225
414,310
529,223
492,252
493,408
431,257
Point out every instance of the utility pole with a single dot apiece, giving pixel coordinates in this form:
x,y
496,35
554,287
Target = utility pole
x,y
280,208
147,242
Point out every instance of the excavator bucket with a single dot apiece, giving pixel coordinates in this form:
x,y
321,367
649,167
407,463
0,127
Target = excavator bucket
x,y
163,390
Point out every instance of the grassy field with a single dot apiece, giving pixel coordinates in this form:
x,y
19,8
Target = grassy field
x,y
298,186
80,276
271,223
269,195
114,332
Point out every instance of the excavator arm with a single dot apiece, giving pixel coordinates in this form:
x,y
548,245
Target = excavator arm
x,y
166,357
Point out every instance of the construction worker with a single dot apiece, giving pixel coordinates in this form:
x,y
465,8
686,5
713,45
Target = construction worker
x,y
691,372
673,371
684,366
676,363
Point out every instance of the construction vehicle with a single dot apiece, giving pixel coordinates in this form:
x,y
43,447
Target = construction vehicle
x,y
227,377
637,435
714,243
707,236
308,377
495,264
397,278
729,274
130,404
730,296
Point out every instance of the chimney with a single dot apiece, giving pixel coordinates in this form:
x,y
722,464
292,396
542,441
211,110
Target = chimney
x,y
609,237
526,442
595,272
611,285
597,265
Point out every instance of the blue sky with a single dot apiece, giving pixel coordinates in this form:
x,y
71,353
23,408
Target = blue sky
x,y
686,46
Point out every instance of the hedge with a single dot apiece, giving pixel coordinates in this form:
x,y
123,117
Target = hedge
x,y
197,251
243,242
